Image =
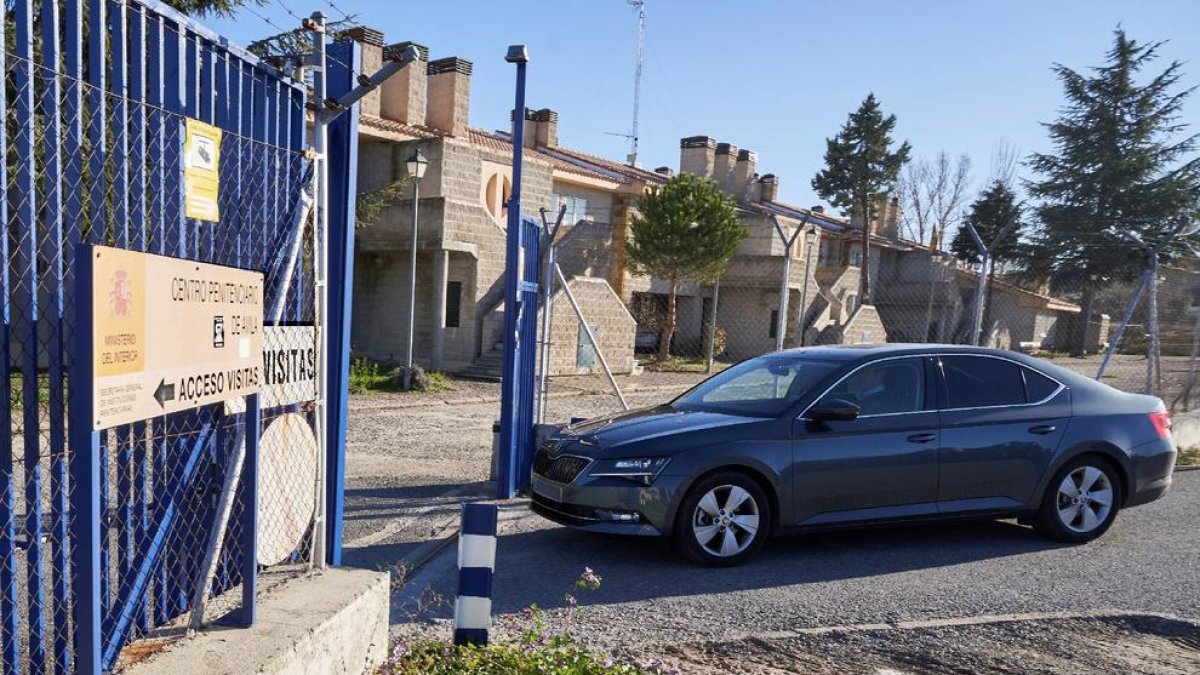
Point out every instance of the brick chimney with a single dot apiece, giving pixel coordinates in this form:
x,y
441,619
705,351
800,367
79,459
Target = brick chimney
x,y
372,60
403,95
891,220
726,157
449,95
770,187
743,175
696,156
541,128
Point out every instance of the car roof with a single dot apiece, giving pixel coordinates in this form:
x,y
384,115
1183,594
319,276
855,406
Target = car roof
x,y
870,351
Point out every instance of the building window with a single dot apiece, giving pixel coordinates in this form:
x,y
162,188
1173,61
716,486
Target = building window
x,y
856,256
577,207
497,192
453,304
773,330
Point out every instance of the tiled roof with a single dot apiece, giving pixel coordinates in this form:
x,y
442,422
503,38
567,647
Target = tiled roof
x,y
1050,301
401,128
824,220
632,172
499,142
569,159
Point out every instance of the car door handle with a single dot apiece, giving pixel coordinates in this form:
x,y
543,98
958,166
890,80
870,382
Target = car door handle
x,y
922,438
1042,429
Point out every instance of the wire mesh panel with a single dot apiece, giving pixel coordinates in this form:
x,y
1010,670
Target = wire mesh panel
x,y
685,330
96,98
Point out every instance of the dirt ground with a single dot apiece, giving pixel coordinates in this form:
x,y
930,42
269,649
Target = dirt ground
x,y
1116,645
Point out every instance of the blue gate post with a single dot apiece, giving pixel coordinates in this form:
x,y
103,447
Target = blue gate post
x,y
510,389
342,165
85,478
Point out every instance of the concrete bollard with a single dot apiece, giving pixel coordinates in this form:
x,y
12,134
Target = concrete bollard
x,y
476,564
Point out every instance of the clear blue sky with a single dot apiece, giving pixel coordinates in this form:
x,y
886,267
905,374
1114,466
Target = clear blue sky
x,y
775,76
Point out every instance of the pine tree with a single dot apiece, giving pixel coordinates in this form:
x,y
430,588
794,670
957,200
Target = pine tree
x,y
996,211
687,229
211,7
860,169
1120,163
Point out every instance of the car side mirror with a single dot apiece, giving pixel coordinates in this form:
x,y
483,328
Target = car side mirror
x,y
834,410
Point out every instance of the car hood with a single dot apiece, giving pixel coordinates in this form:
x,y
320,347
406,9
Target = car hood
x,y
647,424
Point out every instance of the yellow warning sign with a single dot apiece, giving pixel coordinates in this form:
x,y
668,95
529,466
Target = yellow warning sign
x,y
171,335
201,170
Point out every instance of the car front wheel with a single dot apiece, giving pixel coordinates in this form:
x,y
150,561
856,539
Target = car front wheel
x,y
723,520
1081,501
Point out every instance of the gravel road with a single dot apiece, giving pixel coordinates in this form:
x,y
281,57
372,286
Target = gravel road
x,y
1109,646
402,459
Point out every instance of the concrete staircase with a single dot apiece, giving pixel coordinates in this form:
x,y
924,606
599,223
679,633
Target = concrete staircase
x,y
488,366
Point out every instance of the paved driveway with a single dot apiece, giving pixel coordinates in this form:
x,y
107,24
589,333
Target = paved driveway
x,y
1147,562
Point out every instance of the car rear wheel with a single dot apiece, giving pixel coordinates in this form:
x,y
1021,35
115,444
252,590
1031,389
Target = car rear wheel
x,y
723,520
1081,501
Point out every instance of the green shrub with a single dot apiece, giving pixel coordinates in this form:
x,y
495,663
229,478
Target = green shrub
x,y
536,650
558,655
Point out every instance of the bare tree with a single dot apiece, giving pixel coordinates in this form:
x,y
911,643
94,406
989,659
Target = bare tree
x,y
1006,159
932,193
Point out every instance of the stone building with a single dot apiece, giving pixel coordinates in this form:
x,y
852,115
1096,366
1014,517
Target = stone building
x,y
461,231
917,296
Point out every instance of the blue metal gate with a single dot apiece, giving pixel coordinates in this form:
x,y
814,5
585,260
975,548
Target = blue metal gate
x,y
102,534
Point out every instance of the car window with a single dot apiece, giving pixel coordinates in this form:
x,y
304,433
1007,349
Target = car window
x,y
884,388
980,382
1038,387
762,387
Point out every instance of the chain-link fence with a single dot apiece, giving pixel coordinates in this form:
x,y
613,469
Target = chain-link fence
x,y
916,296
92,141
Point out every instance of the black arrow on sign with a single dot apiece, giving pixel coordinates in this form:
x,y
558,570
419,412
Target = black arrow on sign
x,y
165,392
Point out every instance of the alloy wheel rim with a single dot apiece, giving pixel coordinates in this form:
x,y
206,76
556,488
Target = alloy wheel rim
x,y
1085,499
726,519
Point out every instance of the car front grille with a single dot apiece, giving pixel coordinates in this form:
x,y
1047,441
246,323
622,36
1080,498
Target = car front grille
x,y
562,469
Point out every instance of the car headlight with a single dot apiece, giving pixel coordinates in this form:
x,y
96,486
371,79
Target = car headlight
x,y
637,469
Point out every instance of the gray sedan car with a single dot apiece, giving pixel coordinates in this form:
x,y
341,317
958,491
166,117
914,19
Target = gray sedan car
x,y
837,436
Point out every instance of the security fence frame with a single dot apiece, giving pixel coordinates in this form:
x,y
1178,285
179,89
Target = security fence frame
x,y
105,536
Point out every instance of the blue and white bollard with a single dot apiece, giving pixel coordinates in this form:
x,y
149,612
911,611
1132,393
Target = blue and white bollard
x,y
476,562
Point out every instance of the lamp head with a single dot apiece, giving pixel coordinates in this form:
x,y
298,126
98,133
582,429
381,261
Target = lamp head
x,y
416,164
517,54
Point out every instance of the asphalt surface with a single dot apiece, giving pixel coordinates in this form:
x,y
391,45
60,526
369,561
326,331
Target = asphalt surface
x,y
1148,561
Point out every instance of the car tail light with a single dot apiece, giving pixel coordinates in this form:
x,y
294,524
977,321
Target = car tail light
x,y
1162,423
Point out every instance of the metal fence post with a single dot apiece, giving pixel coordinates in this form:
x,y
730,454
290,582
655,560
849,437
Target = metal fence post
x,y
712,327
511,396
252,428
549,233
341,180
85,479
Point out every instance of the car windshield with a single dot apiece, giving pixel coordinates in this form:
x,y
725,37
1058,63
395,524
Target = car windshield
x,y
762,387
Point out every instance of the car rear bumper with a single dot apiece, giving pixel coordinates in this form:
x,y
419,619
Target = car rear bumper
x,y
1153,466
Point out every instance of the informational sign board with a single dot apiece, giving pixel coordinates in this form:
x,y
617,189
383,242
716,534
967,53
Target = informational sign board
x,y
171,335
289,365
201,170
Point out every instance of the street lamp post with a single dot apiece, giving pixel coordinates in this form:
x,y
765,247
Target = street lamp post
x,y
415,166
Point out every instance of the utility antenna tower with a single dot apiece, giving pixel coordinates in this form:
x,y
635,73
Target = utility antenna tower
x,y
640,5
637,76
